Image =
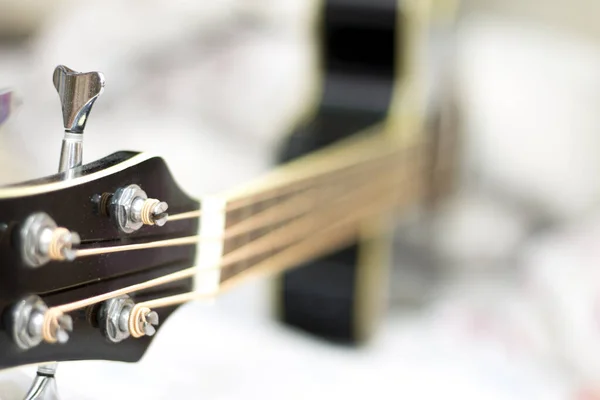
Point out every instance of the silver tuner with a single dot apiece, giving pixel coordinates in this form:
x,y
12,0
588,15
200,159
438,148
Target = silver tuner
x,y
41,241
77,91
114,319
27,327
130,208
27,323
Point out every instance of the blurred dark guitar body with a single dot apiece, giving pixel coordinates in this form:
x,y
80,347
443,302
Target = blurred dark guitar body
x,y
360,53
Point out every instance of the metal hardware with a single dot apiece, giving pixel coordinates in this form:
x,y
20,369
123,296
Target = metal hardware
x,y
130,208
28,319
44,384
101,203
71,152
148,324
77,91
37,239
113,319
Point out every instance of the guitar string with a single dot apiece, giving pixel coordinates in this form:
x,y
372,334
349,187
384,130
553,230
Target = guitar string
x,y
270,195
250,249
253,223
300,227
257,221
280,236
316,241
333,167
291,208
185,215
51,322
309,247
52,315
302,184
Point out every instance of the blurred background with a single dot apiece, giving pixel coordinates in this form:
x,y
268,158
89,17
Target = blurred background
x,y
496,295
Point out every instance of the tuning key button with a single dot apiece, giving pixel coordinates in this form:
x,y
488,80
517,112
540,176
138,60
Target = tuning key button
x,y
42,240
77,91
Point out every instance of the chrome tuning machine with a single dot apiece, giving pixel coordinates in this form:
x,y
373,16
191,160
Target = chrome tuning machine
x,y
77,91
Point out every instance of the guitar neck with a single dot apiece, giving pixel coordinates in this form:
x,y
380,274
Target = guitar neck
x,y
311,206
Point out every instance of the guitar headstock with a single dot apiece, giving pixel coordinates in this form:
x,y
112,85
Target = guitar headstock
x,y
54,233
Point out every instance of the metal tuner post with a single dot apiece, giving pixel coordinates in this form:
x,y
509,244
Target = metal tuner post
x,y
44,384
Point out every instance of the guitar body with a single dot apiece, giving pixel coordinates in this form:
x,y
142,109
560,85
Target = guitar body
x,y
339,296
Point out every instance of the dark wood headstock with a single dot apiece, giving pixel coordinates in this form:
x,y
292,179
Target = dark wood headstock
x,y
69,203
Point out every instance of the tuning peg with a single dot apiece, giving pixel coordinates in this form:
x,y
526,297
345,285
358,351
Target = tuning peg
x,y
114,319
77,91
42,241
130,208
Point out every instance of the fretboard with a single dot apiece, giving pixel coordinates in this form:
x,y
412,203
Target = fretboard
x,y
311,206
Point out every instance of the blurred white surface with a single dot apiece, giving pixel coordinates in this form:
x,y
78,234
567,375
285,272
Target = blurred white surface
x,y
531,97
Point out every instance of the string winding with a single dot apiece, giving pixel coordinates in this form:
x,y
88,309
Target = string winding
x,y
146,211
137,318
57,244
50,325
